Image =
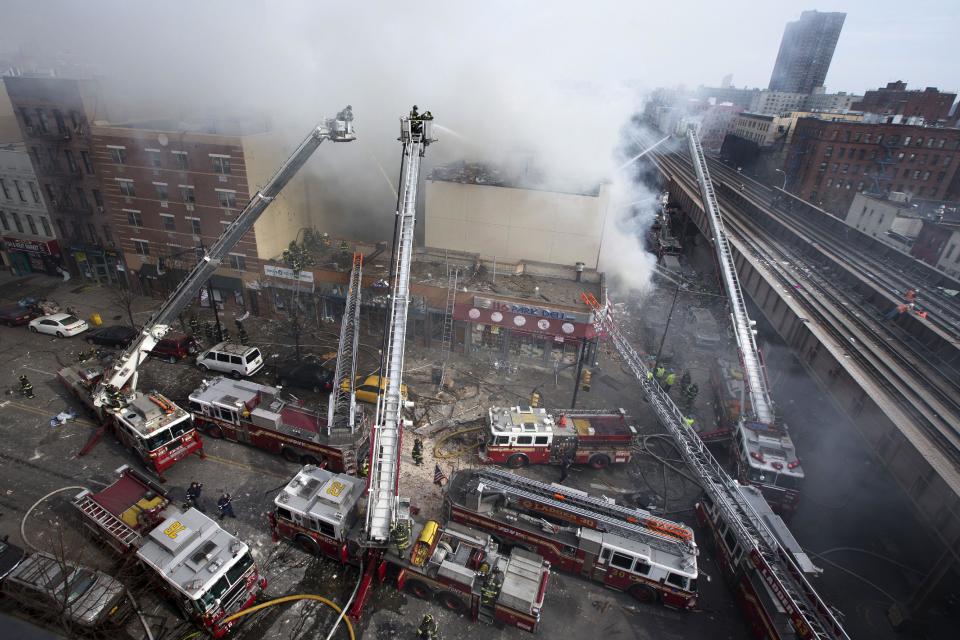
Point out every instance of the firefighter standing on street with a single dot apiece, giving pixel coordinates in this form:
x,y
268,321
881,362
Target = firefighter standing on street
x,y
685,380
225,505
193,495
26,389
429,629
565,466
418,452
690,392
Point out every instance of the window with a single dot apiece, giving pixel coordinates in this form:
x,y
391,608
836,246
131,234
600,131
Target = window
x,y
82,199
906,141
46,226
34,192
913,157
926,176
540,440
947,160
126,187
153,156
142,247
92,230
900,156
228,199
87,165
118,154
63,228
168,221
641,567
323,527
221,164
842,153
829,151
97,198
134,219
919,141
916,175
107,235
860,156
180,159
16,185
71,161
524,440
676,580
941,175
621,561
187,193
238,262
3,186
846,167
42,121
3,221
161,188
194,226
16,222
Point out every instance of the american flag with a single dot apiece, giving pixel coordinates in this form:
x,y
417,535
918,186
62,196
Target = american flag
x,y
438,476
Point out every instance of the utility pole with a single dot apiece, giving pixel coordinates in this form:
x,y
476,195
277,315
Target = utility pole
x,y
663,338
581,354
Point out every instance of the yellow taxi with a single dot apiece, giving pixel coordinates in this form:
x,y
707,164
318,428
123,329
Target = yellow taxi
x,y
367,388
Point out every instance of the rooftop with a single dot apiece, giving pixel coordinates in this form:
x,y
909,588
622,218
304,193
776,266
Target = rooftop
x,y
221,127
321,494
478,173
934,210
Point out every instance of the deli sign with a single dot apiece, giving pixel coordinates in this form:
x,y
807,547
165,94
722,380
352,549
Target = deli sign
x,y
528,310
49,248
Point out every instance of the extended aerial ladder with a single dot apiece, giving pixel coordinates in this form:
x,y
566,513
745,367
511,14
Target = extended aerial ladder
x,y
124,371
383,503
342,409
580,508
809,614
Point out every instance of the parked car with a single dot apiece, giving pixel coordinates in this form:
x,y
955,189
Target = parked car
x,y
10,557
236,360
706,331
366,388
175,346
84,597
62,325
115,336
15,315
306,374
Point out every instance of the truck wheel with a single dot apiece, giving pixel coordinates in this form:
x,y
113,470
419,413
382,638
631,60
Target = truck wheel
x,y
643,593
451,602
308,459
307,544
235,375
418,589
203,367
290,455
599,461
517,460
33,329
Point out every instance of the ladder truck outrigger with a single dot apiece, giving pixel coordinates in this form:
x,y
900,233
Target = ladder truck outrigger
x,y
151,424
323,513
764,452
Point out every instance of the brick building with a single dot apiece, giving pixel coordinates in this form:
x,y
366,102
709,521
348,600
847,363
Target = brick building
x,y
54,116
828,162
938,244
28,241
894,99
171,186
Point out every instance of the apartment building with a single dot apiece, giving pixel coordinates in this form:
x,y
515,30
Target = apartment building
x,y
29,243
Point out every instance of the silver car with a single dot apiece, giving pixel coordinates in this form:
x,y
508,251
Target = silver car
x,y
83,597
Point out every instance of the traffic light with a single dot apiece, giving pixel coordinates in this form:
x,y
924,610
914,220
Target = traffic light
x,y
585,380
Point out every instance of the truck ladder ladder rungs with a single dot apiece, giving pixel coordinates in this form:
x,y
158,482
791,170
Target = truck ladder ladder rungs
x,y
811,616
447,340
110,523
615,518
762,405
343,401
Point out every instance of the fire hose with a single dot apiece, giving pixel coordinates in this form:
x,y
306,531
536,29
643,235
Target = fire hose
x,y
302,596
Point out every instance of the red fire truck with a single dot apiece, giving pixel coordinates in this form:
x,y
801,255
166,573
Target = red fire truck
x,y
729,398
458,567
258,415
518,436
206,571
630,550
158,431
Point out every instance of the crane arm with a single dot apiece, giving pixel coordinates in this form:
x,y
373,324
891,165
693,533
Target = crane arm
x,y
124,371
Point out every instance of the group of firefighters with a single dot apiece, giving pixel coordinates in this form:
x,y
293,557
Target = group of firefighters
x,y
688,389
224,503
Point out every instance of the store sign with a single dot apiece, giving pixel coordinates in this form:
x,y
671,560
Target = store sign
x,y
559,328
32,246
282,272
529,310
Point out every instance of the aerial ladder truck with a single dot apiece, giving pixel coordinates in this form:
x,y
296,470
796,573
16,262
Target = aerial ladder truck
x,y
764,452
151,424
342,408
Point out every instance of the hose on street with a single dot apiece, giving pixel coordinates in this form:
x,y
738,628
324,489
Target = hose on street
x,y
456,453
294,598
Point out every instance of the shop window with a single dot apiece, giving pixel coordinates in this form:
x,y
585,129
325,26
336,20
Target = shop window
x,y
621,561
527,345
485,337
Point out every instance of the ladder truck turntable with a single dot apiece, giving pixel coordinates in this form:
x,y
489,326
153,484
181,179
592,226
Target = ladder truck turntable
x,y
206,571
458,567
768,580
627,549
518,436
324,513
764,452
151,424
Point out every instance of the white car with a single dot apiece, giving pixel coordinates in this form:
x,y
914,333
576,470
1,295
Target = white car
x,y
62,325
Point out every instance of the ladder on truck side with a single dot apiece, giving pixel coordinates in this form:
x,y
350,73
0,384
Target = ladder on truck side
x,y
610,517
342,411
810,615
446,341
116,528
382,500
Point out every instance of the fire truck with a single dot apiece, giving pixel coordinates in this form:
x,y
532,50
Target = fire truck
x,y
457,567
151,424
518,436
631,550
729,398
154,428
261,416
206,571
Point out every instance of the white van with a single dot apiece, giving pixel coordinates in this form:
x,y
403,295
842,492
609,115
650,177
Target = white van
x,y
234,359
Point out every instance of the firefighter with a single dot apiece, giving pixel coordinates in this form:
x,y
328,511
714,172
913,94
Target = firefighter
x,y
669,381
660,372
225,506
400,534
690,394
565,466
364,470
114,399
211,330
414,115
491,589
193,495
649,376
688,422
26,389
195,326
418,452
898,310
429,629
685,380
242,333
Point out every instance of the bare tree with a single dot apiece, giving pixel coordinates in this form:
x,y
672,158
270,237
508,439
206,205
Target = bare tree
x,y
125,298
